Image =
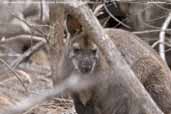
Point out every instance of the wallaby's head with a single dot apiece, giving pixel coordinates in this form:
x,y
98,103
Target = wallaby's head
x,y
84,55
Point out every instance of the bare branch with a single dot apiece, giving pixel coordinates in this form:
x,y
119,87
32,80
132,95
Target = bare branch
x,y
22,38
15,73
34,28
149,31
27,54
162,37
111,15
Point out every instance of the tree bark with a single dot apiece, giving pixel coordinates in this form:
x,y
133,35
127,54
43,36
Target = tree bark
x,y
55,40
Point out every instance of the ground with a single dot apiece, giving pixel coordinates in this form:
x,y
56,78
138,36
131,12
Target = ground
x,y
12,91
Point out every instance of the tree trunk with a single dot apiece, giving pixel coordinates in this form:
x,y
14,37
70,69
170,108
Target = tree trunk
x,y
55,41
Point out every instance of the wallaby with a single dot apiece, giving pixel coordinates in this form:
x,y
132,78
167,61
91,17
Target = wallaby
x,y
106,97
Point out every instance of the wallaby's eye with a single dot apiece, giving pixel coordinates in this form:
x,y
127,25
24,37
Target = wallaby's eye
x,y
76,50
94,51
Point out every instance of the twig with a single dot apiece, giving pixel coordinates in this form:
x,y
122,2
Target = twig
x,y
106,21
27,54
97,9
22,38
15,73
111,15
158,42
24,21
9,55
149,31
162,37
168,50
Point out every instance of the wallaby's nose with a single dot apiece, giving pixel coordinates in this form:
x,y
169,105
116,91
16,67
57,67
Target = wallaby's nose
x,y
85,65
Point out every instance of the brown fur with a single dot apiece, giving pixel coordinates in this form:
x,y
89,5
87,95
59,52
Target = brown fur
x,y
109,98
147,65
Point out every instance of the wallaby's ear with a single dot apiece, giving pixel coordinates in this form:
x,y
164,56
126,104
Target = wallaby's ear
x,y
73,25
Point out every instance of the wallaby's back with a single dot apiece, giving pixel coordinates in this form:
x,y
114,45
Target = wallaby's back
x,y
147,65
